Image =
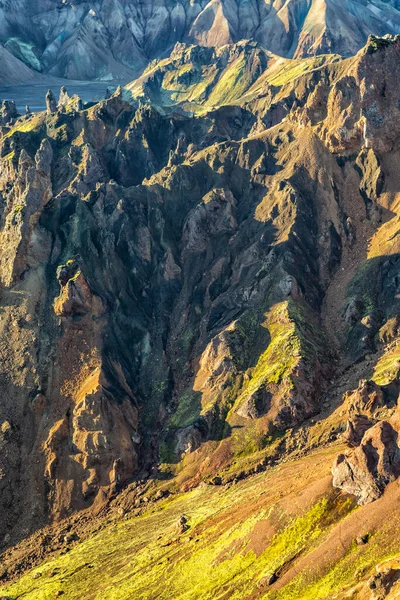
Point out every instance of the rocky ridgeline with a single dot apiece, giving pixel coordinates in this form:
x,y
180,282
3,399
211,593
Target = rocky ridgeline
x,y
117,39
173,283
9,114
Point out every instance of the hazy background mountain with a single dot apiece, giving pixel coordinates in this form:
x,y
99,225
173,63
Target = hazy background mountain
x,y
115,39
13,70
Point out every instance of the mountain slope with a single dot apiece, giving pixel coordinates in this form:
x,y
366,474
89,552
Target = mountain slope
x,y
115,39
281,535
196,79
205,304
13,71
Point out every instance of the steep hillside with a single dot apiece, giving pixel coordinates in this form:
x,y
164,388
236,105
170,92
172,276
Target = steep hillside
x,y
14,71
195,79
199,323
115,39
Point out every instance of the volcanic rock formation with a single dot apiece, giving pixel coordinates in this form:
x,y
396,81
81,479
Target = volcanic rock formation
x,y
375,460
184,281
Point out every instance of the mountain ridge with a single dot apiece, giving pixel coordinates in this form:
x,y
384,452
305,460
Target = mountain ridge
x,y
116,39
192,301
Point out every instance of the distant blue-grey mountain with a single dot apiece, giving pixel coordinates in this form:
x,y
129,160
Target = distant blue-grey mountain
x,y
111,39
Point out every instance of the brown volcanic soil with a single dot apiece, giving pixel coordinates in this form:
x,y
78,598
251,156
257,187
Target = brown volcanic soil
x,y
181,279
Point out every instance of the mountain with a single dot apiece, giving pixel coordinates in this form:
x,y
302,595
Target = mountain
x,y
200,332
12,70
195,79
116,39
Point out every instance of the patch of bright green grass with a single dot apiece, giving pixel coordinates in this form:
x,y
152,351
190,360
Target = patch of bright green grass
x,y
292,69
233,84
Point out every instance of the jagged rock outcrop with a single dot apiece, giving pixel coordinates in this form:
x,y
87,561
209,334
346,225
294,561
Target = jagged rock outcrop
x,y
374,461
371,466
51,102
380,584
165,279
8,112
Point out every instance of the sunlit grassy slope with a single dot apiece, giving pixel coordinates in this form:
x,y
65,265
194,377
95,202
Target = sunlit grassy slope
x,y
270,525
212,81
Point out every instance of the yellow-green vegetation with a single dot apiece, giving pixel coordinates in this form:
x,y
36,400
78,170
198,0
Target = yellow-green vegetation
x,y
60,134
234,82
287,70
218,83
345,573
80,139
188,409
174,77
250,441
183,83
281,356
237,537
387,368
293,338
76,276
26,126
284,351
9,156
193,92
72,104
5,427
18,208
298,534
377,43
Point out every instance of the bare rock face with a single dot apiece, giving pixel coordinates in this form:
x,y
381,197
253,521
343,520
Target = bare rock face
x,y
32,190
374,461
13,70
118,39
51,103
365,400
124,287
356,426
8,112
355,107
75,297
64,97
353,311
256,405
371,466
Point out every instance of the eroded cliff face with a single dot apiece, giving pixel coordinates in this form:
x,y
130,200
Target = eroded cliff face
x,y
186,288
116,39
